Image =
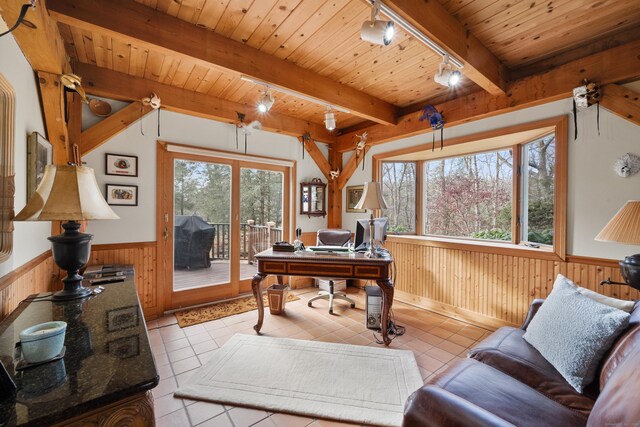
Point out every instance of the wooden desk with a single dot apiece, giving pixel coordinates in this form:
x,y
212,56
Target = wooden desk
x,y
352,266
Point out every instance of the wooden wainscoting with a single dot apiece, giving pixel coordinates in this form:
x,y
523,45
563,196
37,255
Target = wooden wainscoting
x,y
489,289
143,257
34,277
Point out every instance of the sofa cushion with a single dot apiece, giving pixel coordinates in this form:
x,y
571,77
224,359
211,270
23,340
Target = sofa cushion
x,y
574,332
507,398
624,305
508,352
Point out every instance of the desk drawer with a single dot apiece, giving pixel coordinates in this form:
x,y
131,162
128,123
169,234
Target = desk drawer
x,y
321,270
274,267
369,271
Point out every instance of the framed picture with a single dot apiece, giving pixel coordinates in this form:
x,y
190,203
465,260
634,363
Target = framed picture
x,y
121,165
39,155
122,195
122,318
354,193
124,348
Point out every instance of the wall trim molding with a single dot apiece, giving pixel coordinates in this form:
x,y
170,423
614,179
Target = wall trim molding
x,y
12,276
129,245
602,262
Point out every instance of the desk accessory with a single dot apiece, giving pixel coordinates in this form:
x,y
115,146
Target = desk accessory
x,y
43,341
283,247
68,193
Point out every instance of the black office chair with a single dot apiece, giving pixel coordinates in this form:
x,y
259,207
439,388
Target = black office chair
x,y
332,237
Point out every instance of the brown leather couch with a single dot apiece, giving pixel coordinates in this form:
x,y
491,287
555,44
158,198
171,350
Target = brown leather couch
x,y
505,382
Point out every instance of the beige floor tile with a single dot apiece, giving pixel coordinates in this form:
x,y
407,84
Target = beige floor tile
x,y
442,333
166,405
194,330
221,420
176,345
181,354
439,354
222,339
171,333
461,340
202,411
185,365
167,320
205,346
419,346
429,363
451,347
165,371
288,420
220,332
175,419
161,359
165,387
199,338
472,332
246,416
267,422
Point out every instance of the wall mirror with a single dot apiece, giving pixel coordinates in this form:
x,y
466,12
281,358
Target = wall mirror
x,y
7,187
313,197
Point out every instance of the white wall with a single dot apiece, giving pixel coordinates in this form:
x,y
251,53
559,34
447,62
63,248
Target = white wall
x,y
137,224
595,192
29,238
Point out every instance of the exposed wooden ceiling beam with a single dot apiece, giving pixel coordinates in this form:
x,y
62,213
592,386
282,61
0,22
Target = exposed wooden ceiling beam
x,y
431,18
619,64
158,31
317,156
112,84
622,102
106,129
53,106
42,46
352,164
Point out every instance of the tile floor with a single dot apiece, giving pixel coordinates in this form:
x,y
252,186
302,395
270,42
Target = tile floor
x,y
435,340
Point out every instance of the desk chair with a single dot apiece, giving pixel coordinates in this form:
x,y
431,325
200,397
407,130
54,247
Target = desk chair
x,y
332,237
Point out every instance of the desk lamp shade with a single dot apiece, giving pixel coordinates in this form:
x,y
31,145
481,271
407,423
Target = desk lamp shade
x,y
371,199
624,227
68,193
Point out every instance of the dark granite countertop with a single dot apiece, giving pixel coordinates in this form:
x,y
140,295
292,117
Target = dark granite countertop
x,y
107,357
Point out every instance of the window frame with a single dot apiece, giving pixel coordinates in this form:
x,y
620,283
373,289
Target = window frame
x,y
557,251
418,185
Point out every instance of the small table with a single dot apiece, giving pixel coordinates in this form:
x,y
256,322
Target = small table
x,y
351,266
106,374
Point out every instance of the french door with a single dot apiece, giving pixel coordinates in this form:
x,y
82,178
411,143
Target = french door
x,y
215,212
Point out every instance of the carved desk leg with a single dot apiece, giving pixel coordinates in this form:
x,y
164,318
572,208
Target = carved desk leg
x,y
387,300
256,286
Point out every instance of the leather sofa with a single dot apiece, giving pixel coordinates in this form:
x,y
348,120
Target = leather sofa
x,y
506,382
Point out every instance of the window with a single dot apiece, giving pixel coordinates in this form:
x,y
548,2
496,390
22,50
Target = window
x,y
506,187
399,191
469,196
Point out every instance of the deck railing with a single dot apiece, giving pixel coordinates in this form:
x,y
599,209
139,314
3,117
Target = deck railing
x,y
253,239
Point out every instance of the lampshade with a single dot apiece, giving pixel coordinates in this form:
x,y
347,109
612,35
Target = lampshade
x,y
371,197
624,227
67,193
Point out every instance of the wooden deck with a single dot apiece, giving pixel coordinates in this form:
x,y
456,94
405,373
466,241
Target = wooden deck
x,y
218,273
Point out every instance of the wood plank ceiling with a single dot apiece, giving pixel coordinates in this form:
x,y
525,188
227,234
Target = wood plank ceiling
x,y
323,36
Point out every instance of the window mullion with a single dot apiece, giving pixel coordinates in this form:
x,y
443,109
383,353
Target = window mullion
x,y
516,206
420,208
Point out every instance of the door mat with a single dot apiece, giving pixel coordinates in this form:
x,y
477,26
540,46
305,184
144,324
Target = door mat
x,y
193,316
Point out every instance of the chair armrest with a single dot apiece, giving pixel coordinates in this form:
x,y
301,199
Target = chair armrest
x,y
432,406
533,309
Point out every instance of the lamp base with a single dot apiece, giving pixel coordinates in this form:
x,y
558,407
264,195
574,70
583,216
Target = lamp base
x,y
371,252
71,251
630,270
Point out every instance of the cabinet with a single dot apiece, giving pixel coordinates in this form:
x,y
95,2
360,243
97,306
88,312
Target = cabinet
x,y
313,198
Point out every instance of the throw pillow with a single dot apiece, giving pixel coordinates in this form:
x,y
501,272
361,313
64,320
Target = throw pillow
x,y
621,304
574,332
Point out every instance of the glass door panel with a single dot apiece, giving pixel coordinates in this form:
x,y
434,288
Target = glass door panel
x,y
261,214
202,231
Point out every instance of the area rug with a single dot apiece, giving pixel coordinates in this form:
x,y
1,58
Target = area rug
x,y
193,316
365,385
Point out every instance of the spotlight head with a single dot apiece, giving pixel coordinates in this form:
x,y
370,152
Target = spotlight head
x,y
446,75
329,119
265,102
377,32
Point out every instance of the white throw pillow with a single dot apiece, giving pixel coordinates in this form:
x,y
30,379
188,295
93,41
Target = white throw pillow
x,y
574,332
620,304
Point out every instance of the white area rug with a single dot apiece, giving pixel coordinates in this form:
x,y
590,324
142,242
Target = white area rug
x,y
366,385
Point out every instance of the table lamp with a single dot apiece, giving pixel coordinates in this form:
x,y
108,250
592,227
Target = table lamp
x,y
71,194
371,199
624,227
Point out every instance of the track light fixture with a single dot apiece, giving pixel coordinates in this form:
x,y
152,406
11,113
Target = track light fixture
x,y
377,31
266,101
329,119
446,75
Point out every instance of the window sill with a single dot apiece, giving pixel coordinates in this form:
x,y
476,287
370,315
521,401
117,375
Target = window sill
x,y
546,253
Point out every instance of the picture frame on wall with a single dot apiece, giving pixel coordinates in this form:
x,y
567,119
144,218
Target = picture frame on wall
x,y
122,195
354,193
39,155
121,165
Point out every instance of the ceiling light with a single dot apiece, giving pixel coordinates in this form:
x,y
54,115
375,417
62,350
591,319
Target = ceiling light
x,y
446,75
377,31
265,102
329,119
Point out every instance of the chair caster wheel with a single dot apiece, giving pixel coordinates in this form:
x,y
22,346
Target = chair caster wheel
x,y
330,311
353,306
309,304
